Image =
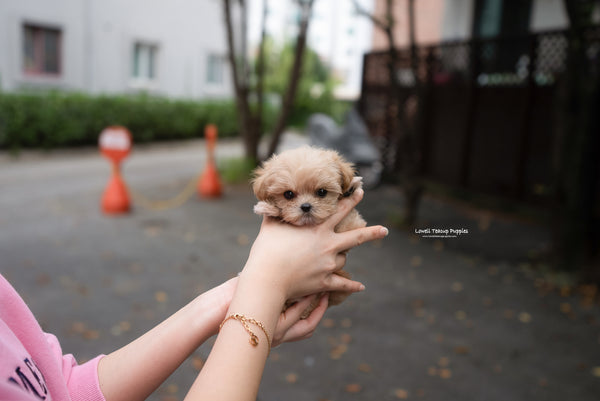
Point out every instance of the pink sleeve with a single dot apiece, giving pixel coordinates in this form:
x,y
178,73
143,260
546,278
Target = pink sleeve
x,y
81,380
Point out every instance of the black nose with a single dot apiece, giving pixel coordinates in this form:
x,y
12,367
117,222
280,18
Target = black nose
x,y
306,207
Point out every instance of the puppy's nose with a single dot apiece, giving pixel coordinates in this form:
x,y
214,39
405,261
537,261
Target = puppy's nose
x,y
306,207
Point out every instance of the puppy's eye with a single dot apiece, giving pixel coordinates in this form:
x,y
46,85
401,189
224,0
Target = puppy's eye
x,y
322,192
289,195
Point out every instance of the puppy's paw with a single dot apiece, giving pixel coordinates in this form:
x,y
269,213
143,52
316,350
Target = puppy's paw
x,y
356,183
266,209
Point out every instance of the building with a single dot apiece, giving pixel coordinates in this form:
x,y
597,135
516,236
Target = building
x,y
449,20
174,48
336,33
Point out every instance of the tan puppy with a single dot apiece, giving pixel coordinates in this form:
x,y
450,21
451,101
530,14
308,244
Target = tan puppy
x,y
303,187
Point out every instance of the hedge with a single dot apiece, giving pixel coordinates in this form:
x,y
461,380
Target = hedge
x,y
58,119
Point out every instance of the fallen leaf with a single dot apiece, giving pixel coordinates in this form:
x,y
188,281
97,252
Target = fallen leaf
x,y
346,323
197,363
461,350
524,317
493,270
596,371
91,334
443,362
172,388
565,291
338,351
78,327
565,307
42,279
460,315
364,367
416,261
353,388
327,322
508,313
243,240
401,394
457,287
161,296
432,371
345,338
291,378
445,373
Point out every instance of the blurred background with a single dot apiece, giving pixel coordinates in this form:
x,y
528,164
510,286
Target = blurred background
x,y
480,115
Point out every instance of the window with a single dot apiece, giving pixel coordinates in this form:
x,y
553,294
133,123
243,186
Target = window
x,y
501,18
215,65
144,61
41,50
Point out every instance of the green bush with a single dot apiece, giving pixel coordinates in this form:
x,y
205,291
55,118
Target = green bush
x,y
58,119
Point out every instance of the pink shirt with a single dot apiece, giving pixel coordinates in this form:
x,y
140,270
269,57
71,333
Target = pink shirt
x,y
32,366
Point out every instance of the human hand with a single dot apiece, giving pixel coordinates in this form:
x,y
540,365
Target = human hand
x,y
291,327
216,302
297,261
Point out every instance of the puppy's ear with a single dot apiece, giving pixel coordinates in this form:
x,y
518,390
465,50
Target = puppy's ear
x,y
260,183
347,172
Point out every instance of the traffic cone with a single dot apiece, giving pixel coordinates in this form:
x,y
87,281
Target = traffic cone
x,y
209,183
115,199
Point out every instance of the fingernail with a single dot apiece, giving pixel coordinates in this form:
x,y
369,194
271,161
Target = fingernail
x,y
384,231
361,288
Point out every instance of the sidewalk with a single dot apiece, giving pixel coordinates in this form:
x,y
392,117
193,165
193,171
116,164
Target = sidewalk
x,y
452,319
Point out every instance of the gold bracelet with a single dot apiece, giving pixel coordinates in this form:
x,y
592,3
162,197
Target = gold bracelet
x,y
244,321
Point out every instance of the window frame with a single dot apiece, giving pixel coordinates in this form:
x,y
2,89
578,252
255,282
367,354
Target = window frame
x,y
37,63
144,68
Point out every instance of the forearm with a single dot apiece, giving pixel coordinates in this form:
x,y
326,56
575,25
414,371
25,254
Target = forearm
x,y
136,370
235,367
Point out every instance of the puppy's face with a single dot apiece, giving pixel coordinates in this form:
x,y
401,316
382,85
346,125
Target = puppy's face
x,y
302,186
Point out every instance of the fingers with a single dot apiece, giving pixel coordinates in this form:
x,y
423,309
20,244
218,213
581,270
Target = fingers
x,y
304,328
345,205
335,282
352,238
340,261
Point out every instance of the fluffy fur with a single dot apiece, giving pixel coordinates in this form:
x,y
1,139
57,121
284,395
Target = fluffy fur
x,y
303,187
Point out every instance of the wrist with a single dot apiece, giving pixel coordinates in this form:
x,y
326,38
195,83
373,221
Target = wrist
x,y
208,309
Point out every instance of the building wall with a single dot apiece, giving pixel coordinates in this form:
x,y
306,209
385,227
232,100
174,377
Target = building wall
x,y
98,38
446,20
428,25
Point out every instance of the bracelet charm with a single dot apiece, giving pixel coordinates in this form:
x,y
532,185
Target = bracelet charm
x,y
246,321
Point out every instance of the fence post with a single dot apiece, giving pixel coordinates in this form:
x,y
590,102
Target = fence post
x,y
523,149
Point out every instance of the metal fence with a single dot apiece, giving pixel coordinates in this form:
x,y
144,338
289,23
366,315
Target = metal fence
x,y
488,109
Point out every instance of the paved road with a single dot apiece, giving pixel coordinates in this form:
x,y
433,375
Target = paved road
x,y
453,319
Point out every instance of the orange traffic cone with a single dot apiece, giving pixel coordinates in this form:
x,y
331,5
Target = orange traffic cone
x,y
115,199
209,183
115,144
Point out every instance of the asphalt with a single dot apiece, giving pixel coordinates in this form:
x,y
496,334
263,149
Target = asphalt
x,y
462,318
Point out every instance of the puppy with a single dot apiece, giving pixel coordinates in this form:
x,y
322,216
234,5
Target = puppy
x,y
303,187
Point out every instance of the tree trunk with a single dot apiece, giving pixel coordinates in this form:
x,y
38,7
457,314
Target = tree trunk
x,y
577,176
244,114
295,72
